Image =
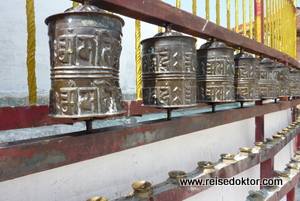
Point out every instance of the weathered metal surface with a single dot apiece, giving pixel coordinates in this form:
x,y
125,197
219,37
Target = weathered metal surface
x,y
20,158
155,12
215,73
34,116
169,70
267,168
295,83
283,80
287,189
85,46
245,77
267,79
291,195
259,125
28,116
169,192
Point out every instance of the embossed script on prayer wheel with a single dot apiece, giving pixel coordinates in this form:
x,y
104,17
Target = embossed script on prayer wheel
x,y
245,78
169,70
283,80
295,83
267,79
85,46
215,73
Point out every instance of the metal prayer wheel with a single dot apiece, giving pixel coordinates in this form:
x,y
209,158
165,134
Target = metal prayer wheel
x,y
295,83
283,80
245,78
267,79
169,70
215,73
85,47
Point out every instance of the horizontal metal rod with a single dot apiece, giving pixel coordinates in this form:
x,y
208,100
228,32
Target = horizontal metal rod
x,y
160,13
74,147
35,116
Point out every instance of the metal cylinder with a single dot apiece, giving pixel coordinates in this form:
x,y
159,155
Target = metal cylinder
x,y
169,70
245,78
295,82
215,73
85,47
267,79
283,80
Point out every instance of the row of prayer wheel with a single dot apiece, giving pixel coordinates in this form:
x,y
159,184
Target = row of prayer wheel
x,y
85,48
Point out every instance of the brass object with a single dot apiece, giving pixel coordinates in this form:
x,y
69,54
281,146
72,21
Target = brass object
x,y
282,133
292,165
246,149
271,139
97,199
287,130
85,46
267,79
291,127
206,166
142,189
295,159
245,78
260,144
283,80
256,194
169,70
277,136
282,173
176,175
227,156
295,82
215,73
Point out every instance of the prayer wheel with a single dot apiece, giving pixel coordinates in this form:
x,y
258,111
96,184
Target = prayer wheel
x,y
215,73
295,83
283,80
245,78
267,79
85,47
169,70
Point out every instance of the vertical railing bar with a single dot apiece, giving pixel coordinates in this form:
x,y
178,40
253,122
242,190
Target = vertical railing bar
x,y
207,10
244,17
178,3
259,15
194,7
251,19
236,16
31,48
159,29
281,26
218,12
228,13
276,23
267,23
271,24
194,11
294,24
138,60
